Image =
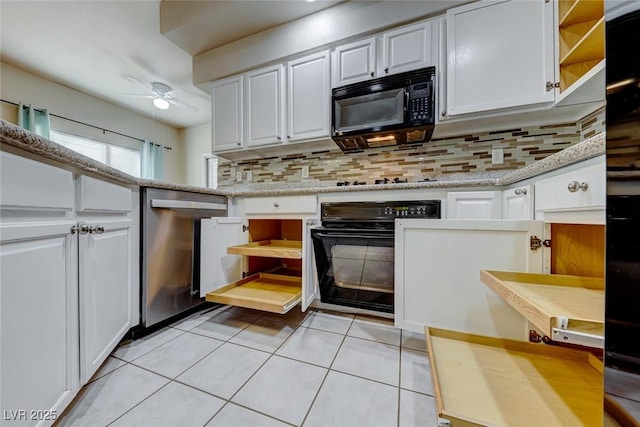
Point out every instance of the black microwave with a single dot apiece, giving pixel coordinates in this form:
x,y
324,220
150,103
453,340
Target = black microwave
x,y
390,110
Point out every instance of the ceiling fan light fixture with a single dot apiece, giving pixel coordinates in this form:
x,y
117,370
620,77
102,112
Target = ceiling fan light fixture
x,y
161,103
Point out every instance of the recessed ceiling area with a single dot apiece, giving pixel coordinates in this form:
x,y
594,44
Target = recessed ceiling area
x,y
199,26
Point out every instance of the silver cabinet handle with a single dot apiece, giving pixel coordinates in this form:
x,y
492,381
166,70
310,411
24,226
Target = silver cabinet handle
x,y
74,229
85,229
520,191
99,229
372,74
444,113
575,186
386,70
276,205
279,138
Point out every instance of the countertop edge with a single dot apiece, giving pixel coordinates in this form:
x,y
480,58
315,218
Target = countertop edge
x,y
20,138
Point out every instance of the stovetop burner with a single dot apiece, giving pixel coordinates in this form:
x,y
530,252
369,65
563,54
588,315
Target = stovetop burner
x,y
345,183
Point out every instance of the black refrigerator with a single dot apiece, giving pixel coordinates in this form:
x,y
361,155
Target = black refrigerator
x,y
622,299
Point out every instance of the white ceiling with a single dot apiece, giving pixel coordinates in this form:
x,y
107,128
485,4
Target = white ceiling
x,y
93,46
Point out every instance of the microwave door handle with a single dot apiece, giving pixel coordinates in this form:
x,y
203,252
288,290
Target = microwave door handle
x,y
406,103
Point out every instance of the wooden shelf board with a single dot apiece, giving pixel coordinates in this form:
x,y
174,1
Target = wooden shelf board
x,y
262,291
543,298
590,47
582,10
291,249
480,381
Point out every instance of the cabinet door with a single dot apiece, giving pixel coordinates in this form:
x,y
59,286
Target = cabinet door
x,y
105,262
410,48
473,205
226,114
38,319
264,106
217,268
437,274
500,55
308,97
309,275
354,62
517,203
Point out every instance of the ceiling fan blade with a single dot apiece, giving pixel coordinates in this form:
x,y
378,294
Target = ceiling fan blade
x,y
182,104
148,87
137,95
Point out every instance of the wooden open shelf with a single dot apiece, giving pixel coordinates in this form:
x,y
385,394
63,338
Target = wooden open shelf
x,y
290,249
581,34
481,381
566,308
262,291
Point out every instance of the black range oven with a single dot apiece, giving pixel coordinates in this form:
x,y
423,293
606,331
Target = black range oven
x,y
354,250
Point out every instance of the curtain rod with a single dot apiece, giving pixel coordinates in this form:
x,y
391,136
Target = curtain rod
x,y
84,124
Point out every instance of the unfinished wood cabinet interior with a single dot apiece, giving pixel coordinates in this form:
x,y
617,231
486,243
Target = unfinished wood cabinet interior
x,y
581,32
273,268
482,381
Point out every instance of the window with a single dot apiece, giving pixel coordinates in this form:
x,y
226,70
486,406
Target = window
x,y
211,171
125,159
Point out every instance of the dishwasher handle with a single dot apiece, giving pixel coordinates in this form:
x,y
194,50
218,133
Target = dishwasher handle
x,y
187,204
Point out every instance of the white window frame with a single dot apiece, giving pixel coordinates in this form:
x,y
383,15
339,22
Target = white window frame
x,y
206,157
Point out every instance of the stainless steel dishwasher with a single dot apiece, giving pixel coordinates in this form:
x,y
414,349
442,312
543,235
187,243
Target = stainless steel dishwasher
x,y
171,250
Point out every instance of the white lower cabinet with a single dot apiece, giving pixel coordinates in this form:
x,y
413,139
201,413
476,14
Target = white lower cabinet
x,y
437,274
105,288
264,264
38,321
474,205
517,203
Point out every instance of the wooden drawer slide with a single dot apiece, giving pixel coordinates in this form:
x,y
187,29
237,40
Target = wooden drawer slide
x,y
262,291
568,309
481,381
291,249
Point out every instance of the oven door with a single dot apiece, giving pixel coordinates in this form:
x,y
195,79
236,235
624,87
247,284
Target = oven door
x,y
355,267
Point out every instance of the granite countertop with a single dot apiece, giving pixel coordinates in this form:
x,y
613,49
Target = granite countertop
x,y
17,137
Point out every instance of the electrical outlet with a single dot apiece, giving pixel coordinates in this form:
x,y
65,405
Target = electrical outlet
x,y
305,171
249,175
239,176
497,156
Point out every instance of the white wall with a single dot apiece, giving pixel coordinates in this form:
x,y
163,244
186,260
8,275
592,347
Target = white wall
x,y
196,141
21,86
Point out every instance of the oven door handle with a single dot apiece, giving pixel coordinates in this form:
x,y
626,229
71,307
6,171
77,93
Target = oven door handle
x,y
342,235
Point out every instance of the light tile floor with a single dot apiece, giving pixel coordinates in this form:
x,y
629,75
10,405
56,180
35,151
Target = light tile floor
x,y
237,367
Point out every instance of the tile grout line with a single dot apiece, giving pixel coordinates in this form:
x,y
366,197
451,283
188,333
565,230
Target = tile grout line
x,y
138,404
304,420
399,377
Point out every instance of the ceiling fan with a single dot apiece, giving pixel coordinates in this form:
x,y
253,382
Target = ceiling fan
x,y
160,93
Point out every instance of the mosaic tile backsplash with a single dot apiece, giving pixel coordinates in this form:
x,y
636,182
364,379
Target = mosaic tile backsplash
x,y
466,153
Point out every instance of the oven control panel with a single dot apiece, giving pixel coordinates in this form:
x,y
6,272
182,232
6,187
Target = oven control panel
x,y
412,211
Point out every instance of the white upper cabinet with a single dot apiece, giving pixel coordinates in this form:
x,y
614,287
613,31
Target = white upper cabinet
x,y
354,62
410,48
226,113
308,97
264,106
500,55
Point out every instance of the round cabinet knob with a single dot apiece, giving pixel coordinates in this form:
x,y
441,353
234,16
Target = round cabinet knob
x,y
520,191
386,70
575,186
74,229
279,139
372,74
85,229
99,229
444,113
276,205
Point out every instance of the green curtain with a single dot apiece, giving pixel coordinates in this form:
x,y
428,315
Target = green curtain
x,y
34,120
152,161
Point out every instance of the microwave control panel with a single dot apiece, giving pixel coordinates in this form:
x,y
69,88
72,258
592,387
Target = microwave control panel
x,y
420,101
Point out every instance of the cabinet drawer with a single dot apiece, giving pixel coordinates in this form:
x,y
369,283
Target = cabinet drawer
x,y
31,184
97,195
482,381
282,205
578,189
